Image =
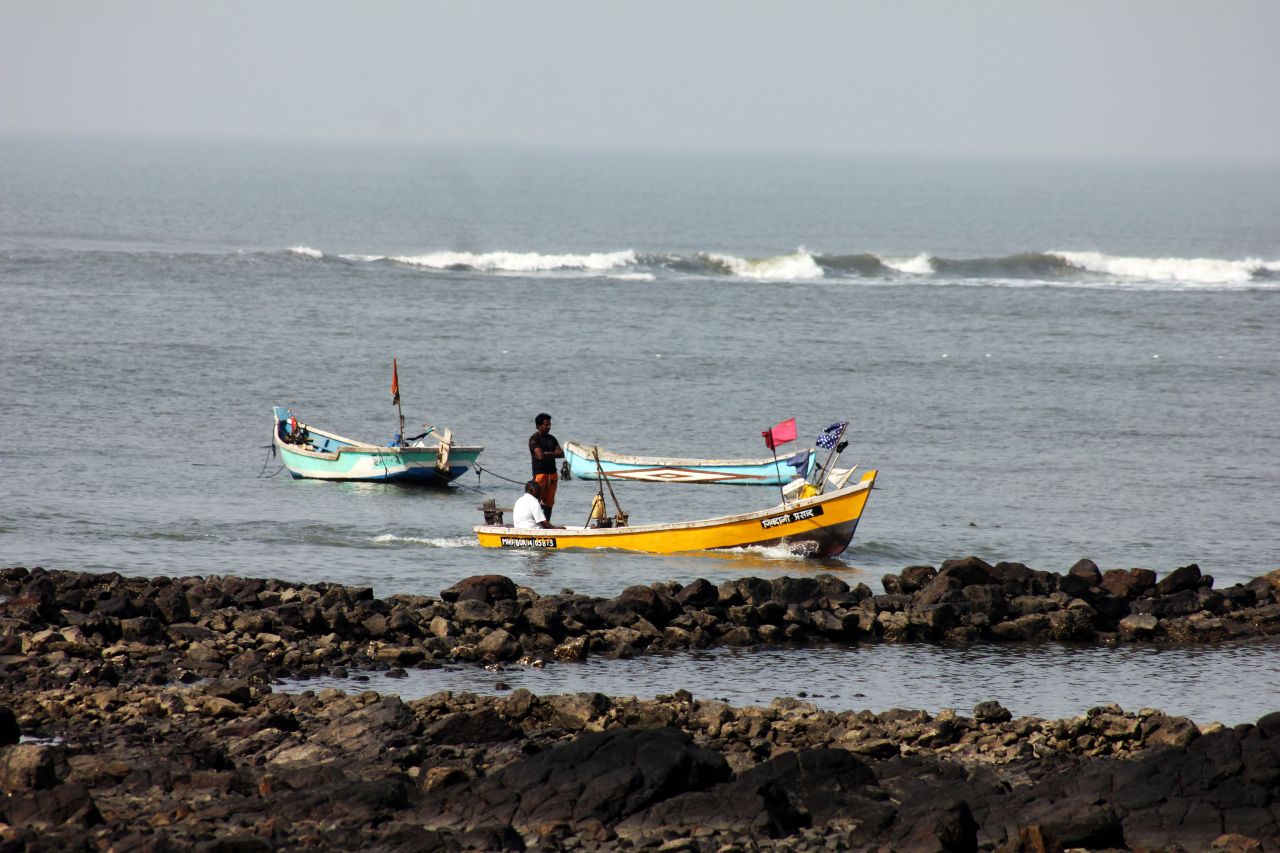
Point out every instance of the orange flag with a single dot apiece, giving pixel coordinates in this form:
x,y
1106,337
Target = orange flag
x,y
395,384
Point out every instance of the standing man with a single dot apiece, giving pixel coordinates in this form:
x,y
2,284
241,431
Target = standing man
x,y
543,451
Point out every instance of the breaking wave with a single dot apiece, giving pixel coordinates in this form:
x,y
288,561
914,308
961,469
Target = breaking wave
x,y
1181,270
518,261
800,264
1025,269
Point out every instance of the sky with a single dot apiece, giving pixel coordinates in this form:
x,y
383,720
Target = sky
x,y
1148,79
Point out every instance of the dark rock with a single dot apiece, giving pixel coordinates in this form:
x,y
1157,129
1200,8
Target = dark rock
x,y
1187,577
748,590
474,611
787,590
1086,570
915,577
699,593
28,767
947,827
655,605
991,711
970,571
1181,603
9,730
64,804
778,797
486,588
601,776
483,726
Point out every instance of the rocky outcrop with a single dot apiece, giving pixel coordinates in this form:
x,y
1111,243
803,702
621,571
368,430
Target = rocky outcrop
x,y
84,626
226,765
151,723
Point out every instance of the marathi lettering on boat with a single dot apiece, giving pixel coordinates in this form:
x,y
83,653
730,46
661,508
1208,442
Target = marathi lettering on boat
x,y
788,517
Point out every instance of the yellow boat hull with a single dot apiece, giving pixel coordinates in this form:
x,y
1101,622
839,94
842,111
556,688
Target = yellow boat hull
x,y
820,526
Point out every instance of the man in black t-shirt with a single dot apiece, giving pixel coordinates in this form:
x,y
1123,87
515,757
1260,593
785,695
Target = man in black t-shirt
x,y
543,451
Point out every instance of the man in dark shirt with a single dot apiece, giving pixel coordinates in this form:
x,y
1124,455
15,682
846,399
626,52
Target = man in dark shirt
x,y
543,450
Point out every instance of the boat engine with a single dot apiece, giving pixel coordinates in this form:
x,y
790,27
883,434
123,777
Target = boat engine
x,y
492,512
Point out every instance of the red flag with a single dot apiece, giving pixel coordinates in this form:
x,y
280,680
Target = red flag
x,y
395,384
780,434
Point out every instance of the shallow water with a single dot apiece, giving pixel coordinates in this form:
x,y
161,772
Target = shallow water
x,y
1052,681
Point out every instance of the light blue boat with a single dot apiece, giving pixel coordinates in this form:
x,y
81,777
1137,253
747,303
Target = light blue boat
x,y
656,469
431,459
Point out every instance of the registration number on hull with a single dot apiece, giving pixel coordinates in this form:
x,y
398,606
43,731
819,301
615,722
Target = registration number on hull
x,y
788,517
528,541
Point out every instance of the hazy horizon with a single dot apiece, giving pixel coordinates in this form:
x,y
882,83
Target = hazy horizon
x,y
1142,80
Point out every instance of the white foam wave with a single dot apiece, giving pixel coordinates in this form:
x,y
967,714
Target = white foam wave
x,y
632,276
1180,270
434,541
306,252
797,265
520,261
363,259
921,264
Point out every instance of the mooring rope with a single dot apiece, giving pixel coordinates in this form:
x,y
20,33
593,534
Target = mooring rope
x,y
480,468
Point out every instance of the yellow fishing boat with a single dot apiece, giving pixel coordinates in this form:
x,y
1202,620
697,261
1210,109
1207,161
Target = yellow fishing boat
x,y
820,526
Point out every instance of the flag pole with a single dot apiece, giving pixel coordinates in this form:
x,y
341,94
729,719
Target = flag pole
x,y
395,398
777,472
826,466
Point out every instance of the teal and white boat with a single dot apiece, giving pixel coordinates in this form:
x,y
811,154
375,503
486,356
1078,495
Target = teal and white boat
x,y
658,469
431,459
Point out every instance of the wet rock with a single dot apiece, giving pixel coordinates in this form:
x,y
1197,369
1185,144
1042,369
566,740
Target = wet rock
x,y
486,588
1179,580
991,711
499,645
970,570
1139,625
474,611
1128,584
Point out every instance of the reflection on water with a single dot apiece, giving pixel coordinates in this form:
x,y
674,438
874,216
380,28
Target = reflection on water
x,y
1220,684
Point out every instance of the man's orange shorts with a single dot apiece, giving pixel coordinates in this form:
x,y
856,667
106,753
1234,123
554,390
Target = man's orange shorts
x,y
547,482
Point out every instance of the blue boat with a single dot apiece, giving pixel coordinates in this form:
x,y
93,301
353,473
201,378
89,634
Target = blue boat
x,y
656,469
431,459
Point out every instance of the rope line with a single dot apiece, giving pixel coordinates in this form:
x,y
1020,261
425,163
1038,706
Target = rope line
x,y
267,462
480,468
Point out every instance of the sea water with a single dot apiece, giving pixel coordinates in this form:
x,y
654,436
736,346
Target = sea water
x,y
1044,360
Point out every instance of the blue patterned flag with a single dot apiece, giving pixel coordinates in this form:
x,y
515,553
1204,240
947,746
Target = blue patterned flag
x,y
830,436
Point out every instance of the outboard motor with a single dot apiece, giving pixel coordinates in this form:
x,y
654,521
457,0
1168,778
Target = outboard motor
x,y
492,514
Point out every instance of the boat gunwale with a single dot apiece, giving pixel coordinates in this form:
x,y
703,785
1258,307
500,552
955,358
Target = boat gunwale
x,y
361,447
574,532
577,449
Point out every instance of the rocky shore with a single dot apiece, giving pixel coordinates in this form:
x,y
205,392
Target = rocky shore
x,y
150,723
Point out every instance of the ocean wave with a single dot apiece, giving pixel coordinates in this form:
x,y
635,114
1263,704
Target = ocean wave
x,y
865,265
1175,270
1058,268
525,262
921,264
800,264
